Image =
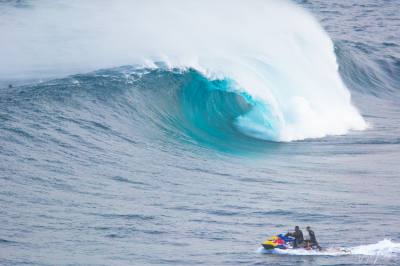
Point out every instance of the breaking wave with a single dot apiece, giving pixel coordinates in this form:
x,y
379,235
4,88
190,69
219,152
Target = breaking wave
x,y
255,71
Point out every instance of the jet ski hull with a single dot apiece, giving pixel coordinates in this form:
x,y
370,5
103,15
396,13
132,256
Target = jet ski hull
x,y
280,241
268,246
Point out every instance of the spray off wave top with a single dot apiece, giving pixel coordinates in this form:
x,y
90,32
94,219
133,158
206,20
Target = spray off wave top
x,y
272,52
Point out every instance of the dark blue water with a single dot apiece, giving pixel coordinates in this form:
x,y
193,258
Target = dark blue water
x,y
149,166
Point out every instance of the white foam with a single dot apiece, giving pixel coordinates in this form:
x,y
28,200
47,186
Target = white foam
x,y
272,49
384,248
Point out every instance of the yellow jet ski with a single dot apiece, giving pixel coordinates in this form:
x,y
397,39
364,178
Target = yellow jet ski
x,y
278,242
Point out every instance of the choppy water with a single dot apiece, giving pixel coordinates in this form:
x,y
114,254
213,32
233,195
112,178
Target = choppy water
x,y
180,162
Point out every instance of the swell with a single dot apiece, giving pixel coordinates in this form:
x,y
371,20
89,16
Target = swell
x,y
129,105
183,105
377,76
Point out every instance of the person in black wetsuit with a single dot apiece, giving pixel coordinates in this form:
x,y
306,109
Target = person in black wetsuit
x,y
312,240
298,236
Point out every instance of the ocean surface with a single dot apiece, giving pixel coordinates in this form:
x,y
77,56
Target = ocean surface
x,y
187,132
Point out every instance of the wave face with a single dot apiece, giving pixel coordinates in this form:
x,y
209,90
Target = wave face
x,y
283,67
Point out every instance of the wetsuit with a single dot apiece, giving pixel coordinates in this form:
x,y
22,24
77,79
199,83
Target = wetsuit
x,y
298,238
313,240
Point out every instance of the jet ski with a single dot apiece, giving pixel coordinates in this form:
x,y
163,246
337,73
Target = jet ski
x,y
283,244
282,241
278,242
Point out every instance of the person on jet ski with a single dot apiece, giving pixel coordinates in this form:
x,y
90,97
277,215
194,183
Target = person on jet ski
x,y
298,236
310,239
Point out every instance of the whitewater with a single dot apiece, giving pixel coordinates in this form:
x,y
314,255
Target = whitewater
x,y
187,132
